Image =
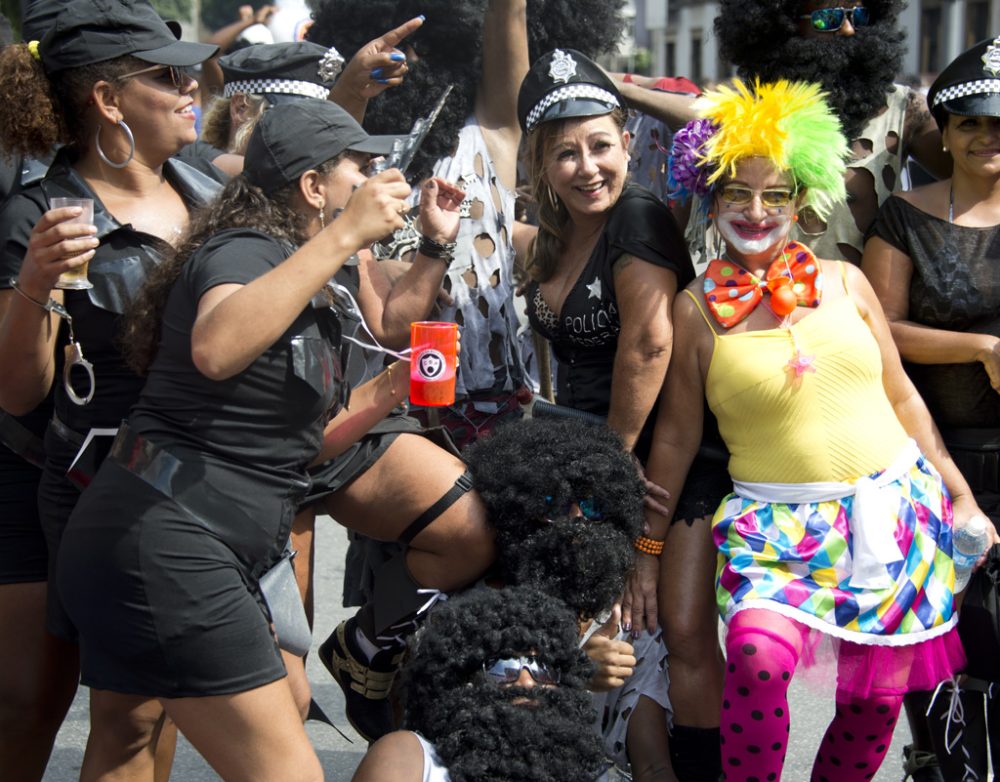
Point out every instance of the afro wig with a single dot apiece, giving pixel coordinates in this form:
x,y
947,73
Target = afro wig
x,y
526,472
483,732
761,37
593,27
449,46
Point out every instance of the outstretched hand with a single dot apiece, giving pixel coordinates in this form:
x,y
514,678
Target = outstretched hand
x,y
440,204
379,64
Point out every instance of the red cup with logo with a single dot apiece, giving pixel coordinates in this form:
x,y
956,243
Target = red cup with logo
x,y
433,351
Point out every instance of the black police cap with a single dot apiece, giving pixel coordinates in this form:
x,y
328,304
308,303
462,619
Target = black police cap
x,y
300,69
85,32
292,138
564,83
970,85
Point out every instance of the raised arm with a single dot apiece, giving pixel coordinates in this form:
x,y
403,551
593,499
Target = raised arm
x,y
922,139
672,108
390,306
889,270
236,323
505,63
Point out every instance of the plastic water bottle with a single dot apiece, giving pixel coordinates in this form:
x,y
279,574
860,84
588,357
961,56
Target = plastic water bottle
x,y
968,544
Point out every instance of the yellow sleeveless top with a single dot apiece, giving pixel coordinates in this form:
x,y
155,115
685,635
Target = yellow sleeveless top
x,y
834,424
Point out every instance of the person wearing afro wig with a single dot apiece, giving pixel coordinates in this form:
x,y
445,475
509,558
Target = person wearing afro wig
x,y
566,503
844,498
495,690
854,50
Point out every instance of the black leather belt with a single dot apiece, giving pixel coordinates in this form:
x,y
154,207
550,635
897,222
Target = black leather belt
x,y
186,484
71,436
21,440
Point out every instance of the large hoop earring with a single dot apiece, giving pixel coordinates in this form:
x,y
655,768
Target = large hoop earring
x,y
131,144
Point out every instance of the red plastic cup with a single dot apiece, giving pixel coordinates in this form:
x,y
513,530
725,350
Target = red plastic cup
x,y
434,347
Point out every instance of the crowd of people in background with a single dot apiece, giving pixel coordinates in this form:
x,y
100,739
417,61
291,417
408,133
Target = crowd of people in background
x,y
719,363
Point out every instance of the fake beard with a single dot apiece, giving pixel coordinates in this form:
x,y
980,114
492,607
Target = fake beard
x,y
481,736
754,246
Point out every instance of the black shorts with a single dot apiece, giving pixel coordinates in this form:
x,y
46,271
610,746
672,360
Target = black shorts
x,y
707,483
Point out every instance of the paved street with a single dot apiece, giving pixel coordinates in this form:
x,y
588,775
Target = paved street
x,y
811,702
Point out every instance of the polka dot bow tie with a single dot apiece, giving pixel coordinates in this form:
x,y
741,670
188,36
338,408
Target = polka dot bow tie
x,y
793,279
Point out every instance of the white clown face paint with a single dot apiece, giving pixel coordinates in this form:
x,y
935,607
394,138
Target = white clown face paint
x,y
749,237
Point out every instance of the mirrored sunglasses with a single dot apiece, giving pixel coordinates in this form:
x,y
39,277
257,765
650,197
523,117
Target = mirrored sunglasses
x,y
507,670
589,508
830,20
169,74
772,198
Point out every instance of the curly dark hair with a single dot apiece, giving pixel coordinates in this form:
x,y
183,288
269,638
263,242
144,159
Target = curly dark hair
x,y
479,733
761,37
449,45
49,112
593,27
239,205
526,469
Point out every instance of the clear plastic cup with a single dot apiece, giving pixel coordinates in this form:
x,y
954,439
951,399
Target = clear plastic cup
x,y
75,279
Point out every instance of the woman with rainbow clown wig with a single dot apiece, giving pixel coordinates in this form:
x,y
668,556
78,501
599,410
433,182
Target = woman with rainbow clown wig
x,y
844,499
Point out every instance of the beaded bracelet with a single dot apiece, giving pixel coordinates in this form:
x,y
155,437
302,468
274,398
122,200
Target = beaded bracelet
x,y
648,546
440,252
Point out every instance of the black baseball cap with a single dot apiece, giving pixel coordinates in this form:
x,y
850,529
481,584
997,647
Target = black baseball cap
x,y
969,86
292,138
561,84
85,32
281,71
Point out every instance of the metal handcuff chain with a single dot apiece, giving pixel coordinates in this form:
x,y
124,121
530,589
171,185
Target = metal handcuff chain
x,y
74,358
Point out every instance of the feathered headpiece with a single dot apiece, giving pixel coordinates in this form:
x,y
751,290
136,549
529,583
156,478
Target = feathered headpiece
x,y
789,123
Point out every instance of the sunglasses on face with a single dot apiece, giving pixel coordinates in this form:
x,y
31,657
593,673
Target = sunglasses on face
x,y
169,74
830,20
772,198
589,508
507,670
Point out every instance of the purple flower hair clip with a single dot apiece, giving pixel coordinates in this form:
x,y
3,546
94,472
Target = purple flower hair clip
x,y
687,170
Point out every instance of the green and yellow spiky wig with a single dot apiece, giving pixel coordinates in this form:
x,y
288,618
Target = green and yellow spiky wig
x,y
789,123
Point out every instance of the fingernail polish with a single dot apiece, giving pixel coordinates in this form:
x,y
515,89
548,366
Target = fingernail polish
x,y
382,81
422,18
397,57
376,72
626,626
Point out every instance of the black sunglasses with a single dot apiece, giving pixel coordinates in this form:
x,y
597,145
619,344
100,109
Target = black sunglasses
x,y
172,74
830,20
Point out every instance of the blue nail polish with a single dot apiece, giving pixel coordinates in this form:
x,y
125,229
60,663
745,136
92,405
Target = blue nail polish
x,y
382,81
422,18
376,73
397,57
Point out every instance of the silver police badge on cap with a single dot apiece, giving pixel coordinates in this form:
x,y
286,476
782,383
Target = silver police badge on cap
x,y
330,65
563,66
991,59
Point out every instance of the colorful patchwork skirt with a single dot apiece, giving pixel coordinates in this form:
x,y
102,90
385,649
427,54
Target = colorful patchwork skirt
x,y
795,559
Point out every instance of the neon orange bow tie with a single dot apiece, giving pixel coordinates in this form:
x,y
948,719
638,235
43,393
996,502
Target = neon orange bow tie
x,y
732,293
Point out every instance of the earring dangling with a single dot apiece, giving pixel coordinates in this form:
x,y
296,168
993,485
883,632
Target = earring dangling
x,y
795,218
711,215
944,147
131,146
552,197
322,217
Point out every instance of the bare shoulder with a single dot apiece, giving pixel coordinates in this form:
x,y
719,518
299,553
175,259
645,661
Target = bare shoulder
x,y
931,198
397,756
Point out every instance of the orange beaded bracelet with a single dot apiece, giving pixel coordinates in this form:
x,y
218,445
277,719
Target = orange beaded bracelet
x,y
648,546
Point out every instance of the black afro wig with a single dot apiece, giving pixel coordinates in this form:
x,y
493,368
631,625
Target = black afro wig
x,y
761,38
480,731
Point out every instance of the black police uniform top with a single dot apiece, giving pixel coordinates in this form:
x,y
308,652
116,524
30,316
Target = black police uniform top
x,y
584,335
118,268
162,591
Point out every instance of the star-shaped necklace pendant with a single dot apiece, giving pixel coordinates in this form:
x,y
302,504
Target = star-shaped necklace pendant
x,y
801,364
